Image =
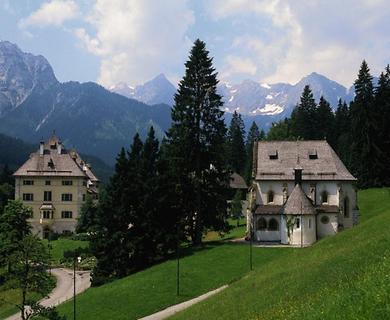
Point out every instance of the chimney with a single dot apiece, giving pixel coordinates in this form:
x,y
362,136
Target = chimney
x,y
41,147
298,176
59,147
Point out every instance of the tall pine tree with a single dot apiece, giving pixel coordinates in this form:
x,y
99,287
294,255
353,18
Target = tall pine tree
x,y
236,145
382,119
342,133
325,122
197,144
364,150
303,117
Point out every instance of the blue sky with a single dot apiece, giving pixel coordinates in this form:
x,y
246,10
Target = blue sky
x,y
111,41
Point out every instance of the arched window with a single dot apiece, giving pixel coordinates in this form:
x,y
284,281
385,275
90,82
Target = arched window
x,y
324,197
273,225
270,196
261,224
346,207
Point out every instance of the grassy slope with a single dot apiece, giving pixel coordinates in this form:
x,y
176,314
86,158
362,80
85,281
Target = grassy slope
x,y
342,277
155,288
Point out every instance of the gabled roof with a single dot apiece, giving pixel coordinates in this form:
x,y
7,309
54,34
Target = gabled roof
x,y
55,163
316,157
298,203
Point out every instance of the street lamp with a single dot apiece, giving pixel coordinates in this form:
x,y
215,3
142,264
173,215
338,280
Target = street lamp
x,y
78,260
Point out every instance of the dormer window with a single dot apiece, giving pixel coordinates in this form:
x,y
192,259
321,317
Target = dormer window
x,y
313,154
273,154
324,197
270,196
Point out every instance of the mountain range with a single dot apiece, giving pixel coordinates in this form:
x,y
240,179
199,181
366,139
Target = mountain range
x,y
250,98
97,121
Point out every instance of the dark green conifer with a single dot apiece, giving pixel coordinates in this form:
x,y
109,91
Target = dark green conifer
x,y
236,144
197,146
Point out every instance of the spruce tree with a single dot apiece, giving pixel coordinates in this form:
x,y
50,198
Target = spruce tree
x,y
342,133
325,122
303,117
382,119
109,242
197,146
236,145
364,149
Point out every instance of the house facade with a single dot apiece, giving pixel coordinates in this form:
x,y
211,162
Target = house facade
x,y
54,182
301,192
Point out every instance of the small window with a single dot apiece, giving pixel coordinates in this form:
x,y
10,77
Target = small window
x,y
28,197
325,219
66,197
47,214
261,224
324,197
273,225
84,197
28,182
66,214
309,223
47,183
270,196
47,196
313,154
67,182
298,223
273,154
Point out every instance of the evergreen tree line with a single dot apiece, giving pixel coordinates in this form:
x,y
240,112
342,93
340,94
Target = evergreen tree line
x,y
358,132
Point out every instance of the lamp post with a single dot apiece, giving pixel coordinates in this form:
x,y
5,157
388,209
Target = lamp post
x,y
78,260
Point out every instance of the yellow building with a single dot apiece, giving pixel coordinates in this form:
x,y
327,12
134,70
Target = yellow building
x,y
54,183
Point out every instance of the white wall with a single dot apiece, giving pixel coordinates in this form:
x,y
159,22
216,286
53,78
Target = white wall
x,y
327,229
304,235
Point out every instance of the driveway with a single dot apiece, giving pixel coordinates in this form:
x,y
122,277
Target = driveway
x,y
64,289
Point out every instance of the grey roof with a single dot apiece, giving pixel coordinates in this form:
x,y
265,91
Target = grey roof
x,y
237,181
51,163
298,203
268,209
291,154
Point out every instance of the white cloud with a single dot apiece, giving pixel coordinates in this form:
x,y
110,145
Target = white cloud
x,y
289,39
238,65
137,39
55,13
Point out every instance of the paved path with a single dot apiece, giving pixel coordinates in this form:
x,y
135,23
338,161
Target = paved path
x,y
64,289
170,311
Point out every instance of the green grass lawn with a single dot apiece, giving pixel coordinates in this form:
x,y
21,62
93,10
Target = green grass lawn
x,y
346,276
63,244
234,233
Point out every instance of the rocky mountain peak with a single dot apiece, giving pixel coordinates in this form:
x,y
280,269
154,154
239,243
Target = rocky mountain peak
x,y
20,74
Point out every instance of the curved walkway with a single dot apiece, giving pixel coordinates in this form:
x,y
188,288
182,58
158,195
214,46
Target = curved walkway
x,y
64,288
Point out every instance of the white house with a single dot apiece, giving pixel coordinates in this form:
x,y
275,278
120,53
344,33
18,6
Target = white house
x,y
301,192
